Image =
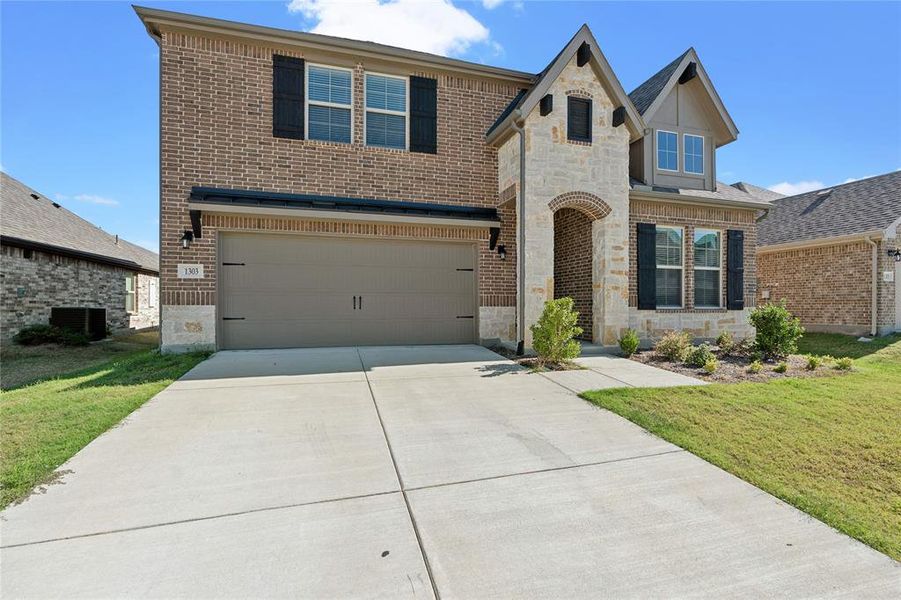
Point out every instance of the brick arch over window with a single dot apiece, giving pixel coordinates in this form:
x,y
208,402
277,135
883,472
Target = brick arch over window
x,y
588,204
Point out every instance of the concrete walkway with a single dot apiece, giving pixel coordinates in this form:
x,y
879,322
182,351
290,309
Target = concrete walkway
x,y
409,472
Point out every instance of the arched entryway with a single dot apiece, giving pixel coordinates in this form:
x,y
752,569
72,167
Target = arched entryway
x,y
574,253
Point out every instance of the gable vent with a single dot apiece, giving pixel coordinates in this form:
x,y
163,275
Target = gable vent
x,y
583,55
690,72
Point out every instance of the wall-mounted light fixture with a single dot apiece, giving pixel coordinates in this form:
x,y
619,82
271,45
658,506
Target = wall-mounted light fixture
x,y
502,252
187,238
896,254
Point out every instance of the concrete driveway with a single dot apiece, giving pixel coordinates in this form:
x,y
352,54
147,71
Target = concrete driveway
x,y
409,472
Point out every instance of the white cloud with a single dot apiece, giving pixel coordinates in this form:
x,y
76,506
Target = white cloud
x,y
88,199
787,188
850,179
492,4
435,26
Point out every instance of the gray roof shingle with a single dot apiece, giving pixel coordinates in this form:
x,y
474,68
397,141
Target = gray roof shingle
x,y
42,221
757,191
644,95
857,207
724,191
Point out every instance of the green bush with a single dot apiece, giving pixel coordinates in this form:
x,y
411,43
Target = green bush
x,y
711,366
844,363
813,362
781,367
778,330
552,335
628,342
699,355
35,335
725,342
755,367
673,346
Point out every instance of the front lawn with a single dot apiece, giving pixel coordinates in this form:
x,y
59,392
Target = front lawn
x,y
830,446
44,424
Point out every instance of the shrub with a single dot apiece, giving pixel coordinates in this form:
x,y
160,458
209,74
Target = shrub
x,y
781,367
699,355
755,367
844,363
725,342
673,346
552,335
710,366
743,347
34,335
813,362
778,330
628,342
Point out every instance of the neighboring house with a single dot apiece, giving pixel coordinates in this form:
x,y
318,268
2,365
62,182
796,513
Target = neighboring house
x,y
834,255
325,191
51,257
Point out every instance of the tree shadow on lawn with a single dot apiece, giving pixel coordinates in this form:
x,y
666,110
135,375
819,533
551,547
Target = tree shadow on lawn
x,y
146,367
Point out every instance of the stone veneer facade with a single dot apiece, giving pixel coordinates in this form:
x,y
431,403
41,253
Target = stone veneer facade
x,y
30,287
829,286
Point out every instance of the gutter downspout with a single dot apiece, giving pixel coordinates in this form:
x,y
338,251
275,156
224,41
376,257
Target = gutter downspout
x,y
521,237
874,300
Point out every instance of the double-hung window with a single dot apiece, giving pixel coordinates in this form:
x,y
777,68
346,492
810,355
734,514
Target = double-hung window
x,y
131,293
669,267
694,153
667,151
707,255
386,111
328,104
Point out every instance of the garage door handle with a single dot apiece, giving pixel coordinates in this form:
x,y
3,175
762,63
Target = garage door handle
x,y
361,302
355,303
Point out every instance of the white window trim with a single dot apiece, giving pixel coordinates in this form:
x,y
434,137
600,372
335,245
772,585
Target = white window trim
x,y
719,269
680,267
685,162
405,113
153,290
657,133
307,102
134,293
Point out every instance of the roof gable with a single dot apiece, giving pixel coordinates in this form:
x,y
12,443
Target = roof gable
x,y
524,103
860,207
650,95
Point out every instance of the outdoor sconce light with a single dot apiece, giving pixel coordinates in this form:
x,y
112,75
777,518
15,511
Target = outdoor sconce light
x,y
896,253
502,252
186,239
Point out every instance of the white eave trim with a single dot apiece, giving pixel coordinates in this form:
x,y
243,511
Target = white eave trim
x,y
334,215
876,234
652,196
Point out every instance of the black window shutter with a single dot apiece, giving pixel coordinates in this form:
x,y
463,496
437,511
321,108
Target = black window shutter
x,y
423,115
647,266
287,97
578,119
735,269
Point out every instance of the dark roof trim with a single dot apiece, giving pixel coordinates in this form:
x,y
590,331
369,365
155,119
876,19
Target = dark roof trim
x,y
70,253
510,108
249,198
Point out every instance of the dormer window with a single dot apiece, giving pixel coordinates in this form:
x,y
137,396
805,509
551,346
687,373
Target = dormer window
x,y
667,151
694,153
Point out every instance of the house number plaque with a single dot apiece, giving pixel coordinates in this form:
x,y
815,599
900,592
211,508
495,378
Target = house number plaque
x,y
190,271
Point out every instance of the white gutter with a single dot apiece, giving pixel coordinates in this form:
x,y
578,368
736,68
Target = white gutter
x,y
874,284
521,237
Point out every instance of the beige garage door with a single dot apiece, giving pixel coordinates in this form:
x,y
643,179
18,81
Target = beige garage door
x,y
287,291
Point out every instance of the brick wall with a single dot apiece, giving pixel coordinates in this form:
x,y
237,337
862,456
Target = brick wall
x,y
572,263
216,130
886,301
31,286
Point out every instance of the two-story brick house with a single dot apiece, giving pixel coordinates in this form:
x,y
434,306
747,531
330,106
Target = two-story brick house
x,y
323,191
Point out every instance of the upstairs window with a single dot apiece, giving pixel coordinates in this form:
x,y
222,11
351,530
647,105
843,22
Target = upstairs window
x,y
578,119
328,104
669,267
131,293
694,153
667,151
386,111
707,255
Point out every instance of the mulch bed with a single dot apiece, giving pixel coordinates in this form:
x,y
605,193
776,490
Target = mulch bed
x,y
734,369
530,362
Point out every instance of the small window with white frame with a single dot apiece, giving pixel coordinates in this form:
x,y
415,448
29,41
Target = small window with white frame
x,y
693,149
707,268
153,290
386,111
667,150
329,103
669,267
131,293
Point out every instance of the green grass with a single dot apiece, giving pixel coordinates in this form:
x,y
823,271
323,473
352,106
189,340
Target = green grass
x,y
830,446
44,424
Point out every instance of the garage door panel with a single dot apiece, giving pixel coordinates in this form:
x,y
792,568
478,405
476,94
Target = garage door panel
x,y
295,291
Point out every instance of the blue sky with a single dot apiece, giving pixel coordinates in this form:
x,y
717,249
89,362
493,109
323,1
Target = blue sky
x,y
815,88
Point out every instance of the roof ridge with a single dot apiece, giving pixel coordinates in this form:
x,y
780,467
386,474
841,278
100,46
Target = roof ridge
x,y
658,80
839,185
